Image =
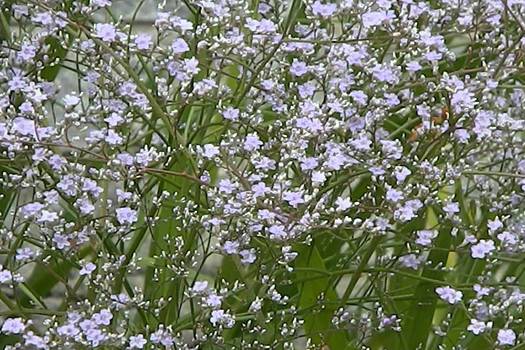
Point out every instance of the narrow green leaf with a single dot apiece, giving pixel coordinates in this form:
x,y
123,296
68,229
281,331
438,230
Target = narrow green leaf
x,y
317,320
418,321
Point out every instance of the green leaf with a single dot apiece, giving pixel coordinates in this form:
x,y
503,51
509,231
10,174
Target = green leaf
x,y
317,320
56,53
418,321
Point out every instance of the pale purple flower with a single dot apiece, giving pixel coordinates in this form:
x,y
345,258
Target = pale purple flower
x,y
425,237
106,31
410,261
449,294
277,232
248,256
95,336
31,209
298,68
451,208
27,52
101,3
47,216
413,66
478,327
71,101
13,326
231,113
482,249
260,189
87,269
25,253
393,195
323,10
24,126
343,203
506,337
143,41
200,287
463,100
36,341
137,341
252,142
375,18
507,238
226,186
210,151
230,247
68,330
103,317
318,177
212,301
401,173
294,198
481,291
179,46
126,216
223,318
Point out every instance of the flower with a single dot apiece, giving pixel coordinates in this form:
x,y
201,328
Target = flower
x,y
323,10
13,326
252,142
482,249
223,318
137,341
143,42
71,101
425,237
298,68
375,18
210,151
449,295
87,269
179,46
343,204
231,113
126,215
506,337
478,327
106,31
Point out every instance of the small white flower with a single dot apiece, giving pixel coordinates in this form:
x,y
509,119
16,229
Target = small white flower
x,y
343,204
223,318
200,287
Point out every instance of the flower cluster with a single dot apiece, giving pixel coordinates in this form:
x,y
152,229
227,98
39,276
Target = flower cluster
x,y
264,174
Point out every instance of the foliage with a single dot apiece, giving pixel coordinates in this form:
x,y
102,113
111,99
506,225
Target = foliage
x,y
262,174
